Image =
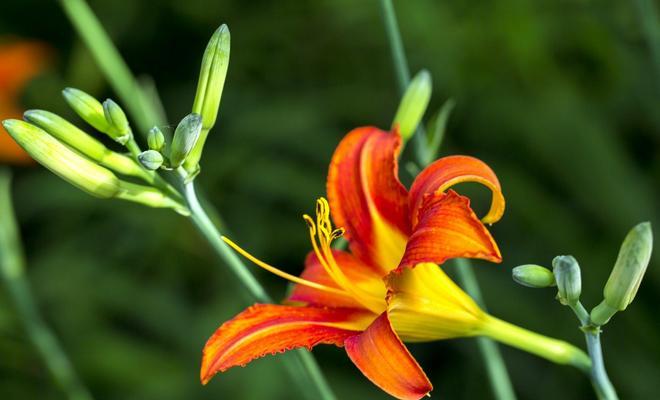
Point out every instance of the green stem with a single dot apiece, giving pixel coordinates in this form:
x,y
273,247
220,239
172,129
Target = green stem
x,y
257,293
146,115
111,63
599,378
601,382
497,371
12,269
133,147
498,374
150,196
557,351
401,67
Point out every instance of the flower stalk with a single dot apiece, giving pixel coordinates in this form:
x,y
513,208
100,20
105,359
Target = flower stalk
x,y
208,230
599,378
497,371
12,270
145,114
557,351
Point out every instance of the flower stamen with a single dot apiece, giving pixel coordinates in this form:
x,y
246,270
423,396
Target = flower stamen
x,y
321,235
282,274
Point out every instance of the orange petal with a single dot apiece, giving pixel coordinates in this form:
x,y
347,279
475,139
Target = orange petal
x,y
268,329
384,359
356,271
366,197
20,61
448,228
449,171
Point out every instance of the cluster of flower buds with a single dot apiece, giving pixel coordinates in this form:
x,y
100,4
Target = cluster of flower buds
x,y
84,161
89,165
621,287
159,155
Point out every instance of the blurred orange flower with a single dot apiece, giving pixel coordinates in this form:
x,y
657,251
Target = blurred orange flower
x,y
20,61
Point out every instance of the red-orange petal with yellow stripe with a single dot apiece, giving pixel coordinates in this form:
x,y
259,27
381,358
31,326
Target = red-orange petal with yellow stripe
x,y
355,271
269,329
448,228
384,359
366,197
449,171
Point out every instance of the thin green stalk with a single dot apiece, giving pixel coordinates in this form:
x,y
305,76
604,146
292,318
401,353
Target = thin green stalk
x,y
12,269
257,293
500,381
147,115
401,68
111,63
601,382
497,371
599,378
648,16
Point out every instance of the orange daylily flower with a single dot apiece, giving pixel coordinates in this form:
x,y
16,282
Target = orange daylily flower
x,y
389,287
20,61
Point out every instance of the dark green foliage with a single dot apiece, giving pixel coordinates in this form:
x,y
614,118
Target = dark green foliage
x,y
559,97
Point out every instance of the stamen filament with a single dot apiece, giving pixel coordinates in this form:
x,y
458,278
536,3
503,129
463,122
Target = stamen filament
x,y
283,274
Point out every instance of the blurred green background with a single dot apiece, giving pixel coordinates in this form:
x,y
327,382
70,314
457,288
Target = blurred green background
x,y
561,98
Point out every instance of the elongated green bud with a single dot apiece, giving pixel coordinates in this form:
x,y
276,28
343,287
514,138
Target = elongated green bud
x,y
185,136
119,129
71,135
87,107
413,104
569,280
155,139
534,276
209,88
62,160
151,159
627,274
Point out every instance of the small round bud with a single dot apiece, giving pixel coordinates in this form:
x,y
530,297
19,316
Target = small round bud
x,y
569,281
119,129
151,159
155,139
413,104
87,107
534,276
185,137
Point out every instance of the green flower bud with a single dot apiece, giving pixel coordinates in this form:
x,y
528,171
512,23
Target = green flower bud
x,y
151,159
534,276
69,134
87,107
185,136
627,274
413,104
209,88
62,160
119,129
155,139
569,281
